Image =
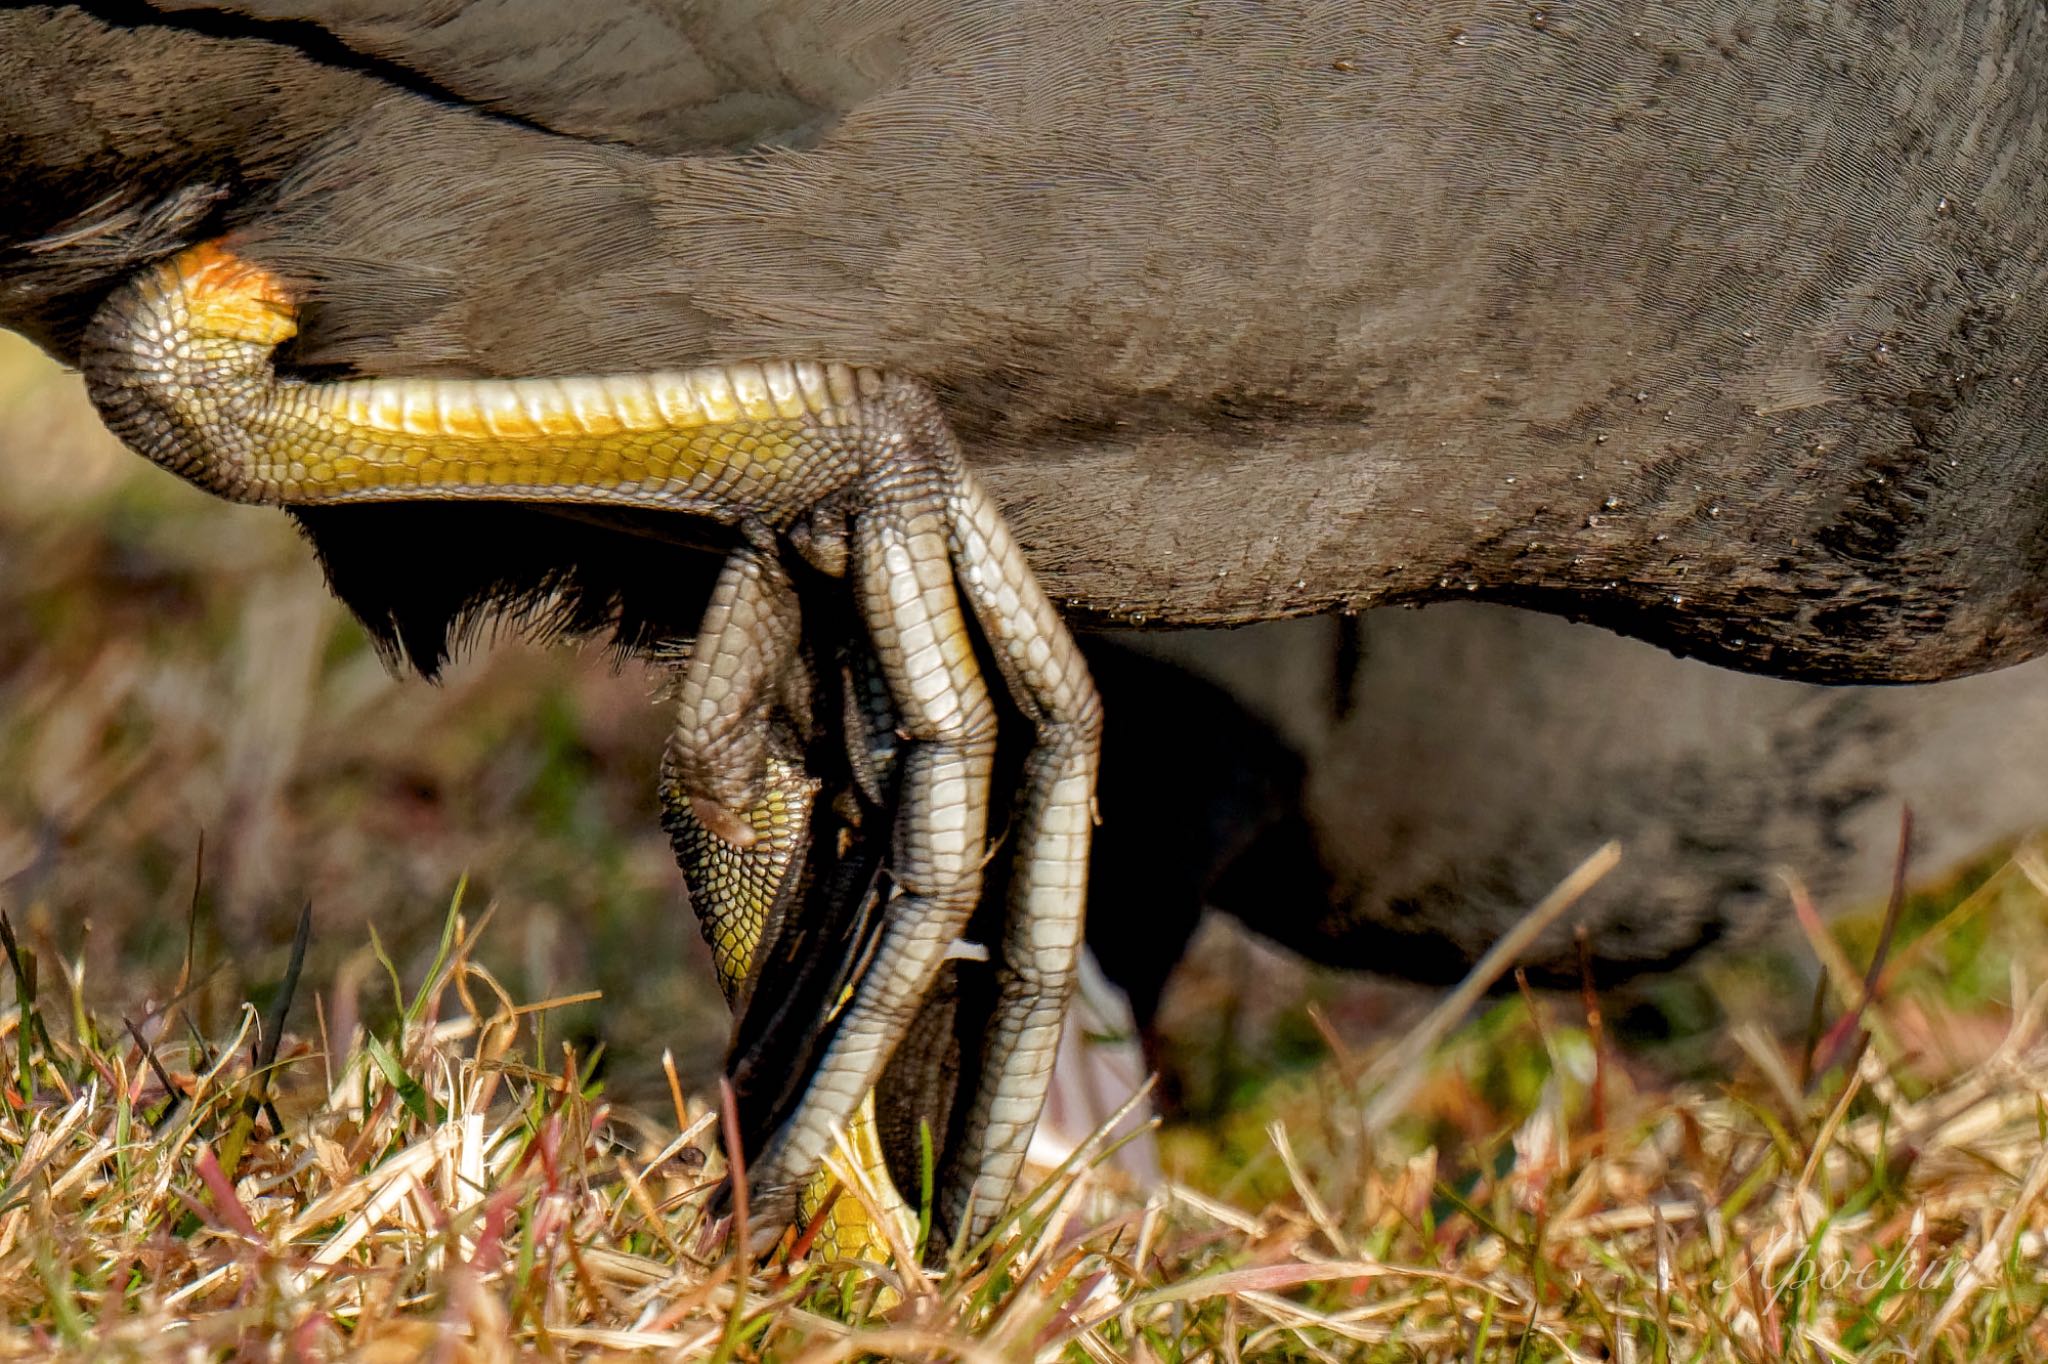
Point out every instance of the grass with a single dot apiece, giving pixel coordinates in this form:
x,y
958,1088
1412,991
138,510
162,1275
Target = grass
x,y
452,1183
397,1160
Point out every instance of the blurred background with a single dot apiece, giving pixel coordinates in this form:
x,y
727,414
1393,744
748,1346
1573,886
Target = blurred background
x,y
172,670
173,675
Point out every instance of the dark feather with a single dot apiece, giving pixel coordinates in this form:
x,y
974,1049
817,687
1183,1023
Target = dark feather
x,y
427,578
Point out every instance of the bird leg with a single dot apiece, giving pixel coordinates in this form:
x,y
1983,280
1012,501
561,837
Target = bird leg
x,y
179,362
743,669
734,794
737,804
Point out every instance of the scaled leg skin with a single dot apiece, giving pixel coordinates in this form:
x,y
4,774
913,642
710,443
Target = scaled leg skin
x,y
179,364
736,802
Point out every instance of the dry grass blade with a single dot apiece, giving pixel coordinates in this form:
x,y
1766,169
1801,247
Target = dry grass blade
x,y
1396,1074
511,1213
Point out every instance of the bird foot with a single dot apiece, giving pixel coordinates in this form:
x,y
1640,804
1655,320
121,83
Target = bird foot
x,y
854,467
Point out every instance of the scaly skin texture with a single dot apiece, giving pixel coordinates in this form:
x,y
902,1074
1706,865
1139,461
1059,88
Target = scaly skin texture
x,y
857,465
743,670
737,889
736,802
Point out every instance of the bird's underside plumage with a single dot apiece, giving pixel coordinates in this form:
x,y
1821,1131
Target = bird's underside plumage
x,y
1714,322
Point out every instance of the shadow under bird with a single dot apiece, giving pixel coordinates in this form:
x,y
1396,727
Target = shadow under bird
x,y
1716,323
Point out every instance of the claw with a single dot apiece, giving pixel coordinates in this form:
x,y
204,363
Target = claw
x,y
723,821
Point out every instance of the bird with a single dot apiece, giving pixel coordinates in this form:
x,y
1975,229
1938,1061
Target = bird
x,y
1714,324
